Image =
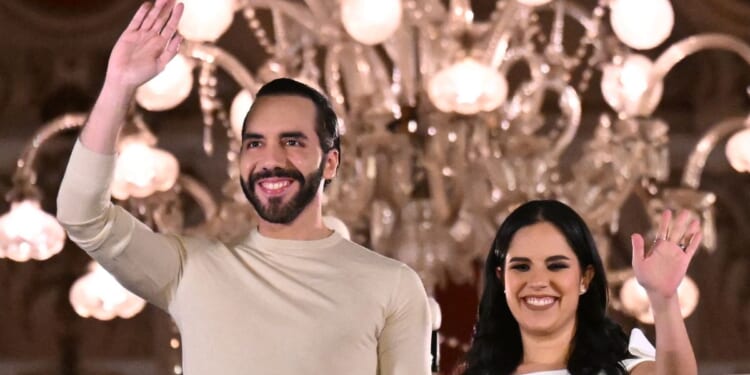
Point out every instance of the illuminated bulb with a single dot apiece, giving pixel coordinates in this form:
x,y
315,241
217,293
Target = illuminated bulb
x,y
738,151
27,232
337,225
642,24
468,87
635,299
371,21
436,316
97,294
169,88
142,170
624,86
240,106
533,3
206,20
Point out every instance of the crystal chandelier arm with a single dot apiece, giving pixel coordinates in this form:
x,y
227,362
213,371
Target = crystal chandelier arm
x,y
332,77
322,10
298,13
222,58
496,47
691,177
25,174
686,47
402,50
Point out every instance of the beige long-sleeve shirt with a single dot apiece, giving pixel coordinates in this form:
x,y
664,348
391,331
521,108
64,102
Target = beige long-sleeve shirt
x,y
261,306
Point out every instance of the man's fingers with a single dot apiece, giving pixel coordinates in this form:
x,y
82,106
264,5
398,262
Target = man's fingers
x,y
163,16
170,51
170,28
152,15
137,20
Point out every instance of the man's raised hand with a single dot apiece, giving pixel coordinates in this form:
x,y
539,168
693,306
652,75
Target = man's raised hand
x,y
146,46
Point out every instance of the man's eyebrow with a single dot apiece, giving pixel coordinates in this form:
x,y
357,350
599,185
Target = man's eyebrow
x,y
293,135
251,136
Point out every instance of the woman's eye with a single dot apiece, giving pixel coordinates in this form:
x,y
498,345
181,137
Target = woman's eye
x,y
557,266
520,267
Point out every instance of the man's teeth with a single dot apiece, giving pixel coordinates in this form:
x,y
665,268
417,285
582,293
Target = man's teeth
x,y
275,185
539,301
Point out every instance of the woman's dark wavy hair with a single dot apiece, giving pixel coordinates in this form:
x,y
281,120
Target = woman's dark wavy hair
x,y
599,344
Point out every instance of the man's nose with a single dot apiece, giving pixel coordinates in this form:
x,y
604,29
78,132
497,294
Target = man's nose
x,y
272,156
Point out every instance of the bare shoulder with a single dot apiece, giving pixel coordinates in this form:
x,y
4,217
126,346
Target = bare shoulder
x,y
644,368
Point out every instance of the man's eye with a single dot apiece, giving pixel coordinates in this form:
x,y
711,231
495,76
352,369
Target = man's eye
x,y
292,142
252,144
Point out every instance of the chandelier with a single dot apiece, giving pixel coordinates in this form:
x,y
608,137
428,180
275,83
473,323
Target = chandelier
x,y
447,120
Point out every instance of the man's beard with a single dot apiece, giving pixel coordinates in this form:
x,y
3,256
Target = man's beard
x,y
276,211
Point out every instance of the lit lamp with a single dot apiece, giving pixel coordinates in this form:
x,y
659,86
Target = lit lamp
x,y
337,226
97,294
468,87
206,20
635,299
533,3
624,85
738,151
169,88
237,112
27,232
371,21
142,170
642,24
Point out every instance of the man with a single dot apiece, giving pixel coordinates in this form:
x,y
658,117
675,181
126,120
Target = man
x,y
293,297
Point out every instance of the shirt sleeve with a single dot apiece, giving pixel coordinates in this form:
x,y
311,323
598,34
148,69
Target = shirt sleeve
x,y
641,348
146,263
404,343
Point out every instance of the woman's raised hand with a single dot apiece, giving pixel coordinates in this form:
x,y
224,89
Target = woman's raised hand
x,y
661,269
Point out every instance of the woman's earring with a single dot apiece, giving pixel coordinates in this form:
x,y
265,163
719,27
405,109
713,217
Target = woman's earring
x,y
583,289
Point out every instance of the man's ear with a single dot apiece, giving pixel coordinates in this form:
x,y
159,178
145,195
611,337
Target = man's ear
x,y
332,164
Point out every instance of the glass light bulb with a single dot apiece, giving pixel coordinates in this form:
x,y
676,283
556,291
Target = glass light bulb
x,y
738,151
97,294
240,106
635,299
169,88
533,3
642,24
624,86
337,225
371,21
27,232
141,170
206,20
468,87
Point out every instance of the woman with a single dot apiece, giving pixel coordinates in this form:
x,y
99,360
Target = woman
x,y
543,309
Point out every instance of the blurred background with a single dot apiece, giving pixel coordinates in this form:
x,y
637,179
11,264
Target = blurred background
x,y
454,112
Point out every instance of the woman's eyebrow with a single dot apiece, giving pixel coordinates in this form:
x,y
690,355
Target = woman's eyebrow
x,y
557,257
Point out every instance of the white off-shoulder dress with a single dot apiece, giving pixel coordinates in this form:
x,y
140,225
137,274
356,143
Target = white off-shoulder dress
x,y
639,346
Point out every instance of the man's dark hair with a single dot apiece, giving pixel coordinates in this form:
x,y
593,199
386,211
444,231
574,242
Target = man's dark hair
x,y
326,121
